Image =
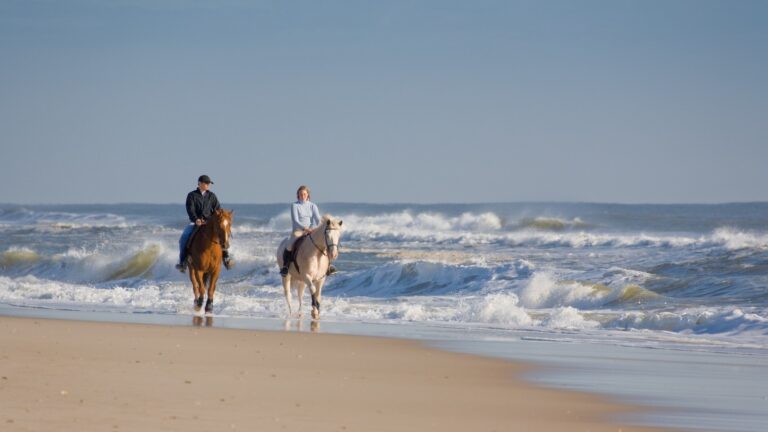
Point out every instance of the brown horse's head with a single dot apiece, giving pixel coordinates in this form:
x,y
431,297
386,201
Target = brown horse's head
x,y
222,225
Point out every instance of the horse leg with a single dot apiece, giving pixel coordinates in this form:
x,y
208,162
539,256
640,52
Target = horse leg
x,y
300,293
319,295
287,291
313,292
197,288
201,282
214,277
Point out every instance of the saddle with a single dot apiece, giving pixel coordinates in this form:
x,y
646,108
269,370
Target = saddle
x,y
191,239
295,251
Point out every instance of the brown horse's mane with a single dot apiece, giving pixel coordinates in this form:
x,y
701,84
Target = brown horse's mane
x,y
209,230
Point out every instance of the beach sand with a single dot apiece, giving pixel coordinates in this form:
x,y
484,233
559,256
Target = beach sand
x,y
58,375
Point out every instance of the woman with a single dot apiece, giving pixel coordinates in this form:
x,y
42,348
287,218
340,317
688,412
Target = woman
x,y
304,216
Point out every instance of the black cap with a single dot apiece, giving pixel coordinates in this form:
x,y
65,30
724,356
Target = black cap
x,y
204,179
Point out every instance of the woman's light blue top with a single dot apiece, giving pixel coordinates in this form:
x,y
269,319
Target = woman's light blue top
x,y
304,214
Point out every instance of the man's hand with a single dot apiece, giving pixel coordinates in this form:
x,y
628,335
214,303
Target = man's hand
x,y
199,222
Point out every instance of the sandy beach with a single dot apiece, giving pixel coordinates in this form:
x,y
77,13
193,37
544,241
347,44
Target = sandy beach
x,y
72,375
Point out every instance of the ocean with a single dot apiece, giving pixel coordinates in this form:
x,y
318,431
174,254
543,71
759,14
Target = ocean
x,y
690,279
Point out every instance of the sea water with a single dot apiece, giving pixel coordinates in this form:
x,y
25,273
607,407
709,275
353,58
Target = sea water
x,y
551,282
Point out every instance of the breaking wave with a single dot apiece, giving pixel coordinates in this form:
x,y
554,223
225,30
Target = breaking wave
x,y
444,265
551,224
60,221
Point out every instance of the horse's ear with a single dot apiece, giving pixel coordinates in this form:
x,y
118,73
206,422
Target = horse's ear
x,y
341,222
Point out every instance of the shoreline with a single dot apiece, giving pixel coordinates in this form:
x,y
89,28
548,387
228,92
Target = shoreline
x,y
117,376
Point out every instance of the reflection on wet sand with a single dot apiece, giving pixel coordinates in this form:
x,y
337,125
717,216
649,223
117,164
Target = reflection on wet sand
x,y
298,325
198,321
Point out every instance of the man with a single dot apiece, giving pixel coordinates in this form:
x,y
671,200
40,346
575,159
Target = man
x,y
201,204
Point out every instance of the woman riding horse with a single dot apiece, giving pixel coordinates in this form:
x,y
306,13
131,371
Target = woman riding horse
x,y
304,216
313,255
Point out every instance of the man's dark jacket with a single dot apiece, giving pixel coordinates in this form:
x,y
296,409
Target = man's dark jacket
x,y
201,206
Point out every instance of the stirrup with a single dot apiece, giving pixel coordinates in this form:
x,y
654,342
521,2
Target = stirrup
x,y
181,267
229,263
331,270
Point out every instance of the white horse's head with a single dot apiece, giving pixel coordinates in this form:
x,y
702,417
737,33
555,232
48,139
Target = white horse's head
x,y
332,232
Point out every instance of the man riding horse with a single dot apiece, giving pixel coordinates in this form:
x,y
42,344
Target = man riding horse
x,y
201,204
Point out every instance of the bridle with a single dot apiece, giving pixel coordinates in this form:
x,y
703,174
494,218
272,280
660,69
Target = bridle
x,y
219,237
328,243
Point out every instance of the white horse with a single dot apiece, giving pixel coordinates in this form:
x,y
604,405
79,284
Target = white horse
x,y
314,253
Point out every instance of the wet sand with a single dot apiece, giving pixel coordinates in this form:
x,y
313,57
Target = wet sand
x,y
74,376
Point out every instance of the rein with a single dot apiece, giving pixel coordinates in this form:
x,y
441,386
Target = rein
x,y
323,251
327,246
216,239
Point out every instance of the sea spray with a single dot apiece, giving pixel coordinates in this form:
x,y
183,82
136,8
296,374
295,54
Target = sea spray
x,y
651,272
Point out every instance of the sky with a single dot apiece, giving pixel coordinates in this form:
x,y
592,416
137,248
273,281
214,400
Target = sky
x,y
384,101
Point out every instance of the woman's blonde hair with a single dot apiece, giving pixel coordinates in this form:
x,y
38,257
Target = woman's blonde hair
x,y
301,188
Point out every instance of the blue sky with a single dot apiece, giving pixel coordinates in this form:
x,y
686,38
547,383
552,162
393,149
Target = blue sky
x,y
384,101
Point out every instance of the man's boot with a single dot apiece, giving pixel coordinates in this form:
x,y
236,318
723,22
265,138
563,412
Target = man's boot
x,y
228,261
182,266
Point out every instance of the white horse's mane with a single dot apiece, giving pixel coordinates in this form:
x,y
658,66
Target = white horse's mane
x,y
326,219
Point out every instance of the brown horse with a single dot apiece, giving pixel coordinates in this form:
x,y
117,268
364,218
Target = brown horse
x,y
205,256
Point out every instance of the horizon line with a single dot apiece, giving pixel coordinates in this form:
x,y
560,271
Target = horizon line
x,y
405,203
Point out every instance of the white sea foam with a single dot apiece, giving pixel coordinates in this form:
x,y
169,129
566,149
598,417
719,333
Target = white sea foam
x,y
277,224
58,221
464,270
568,318
507,310
705,320
544,291
488,228
497,309
32,291
734,239
427,225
